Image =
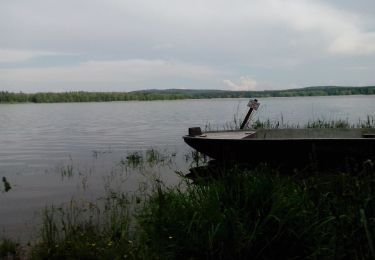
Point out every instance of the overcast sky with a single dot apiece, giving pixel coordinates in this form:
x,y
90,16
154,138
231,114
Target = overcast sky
x,y
124,45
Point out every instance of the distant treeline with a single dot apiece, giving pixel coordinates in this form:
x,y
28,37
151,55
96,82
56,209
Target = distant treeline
x,y
81,96
173,94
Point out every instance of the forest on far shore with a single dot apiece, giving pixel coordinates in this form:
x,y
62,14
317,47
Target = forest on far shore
x,y
173,94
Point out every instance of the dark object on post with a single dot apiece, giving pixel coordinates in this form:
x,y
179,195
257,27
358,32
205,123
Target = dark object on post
x,y
193,131
253,104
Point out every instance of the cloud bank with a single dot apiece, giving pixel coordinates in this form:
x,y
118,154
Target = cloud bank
x,y
127,45
243,84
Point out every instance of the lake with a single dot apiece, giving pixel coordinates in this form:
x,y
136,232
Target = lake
x,y
51,152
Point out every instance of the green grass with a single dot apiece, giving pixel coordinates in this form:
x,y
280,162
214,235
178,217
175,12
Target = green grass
x,y
84,230
8,249
262,215
238,214
369,122
235,124
231,218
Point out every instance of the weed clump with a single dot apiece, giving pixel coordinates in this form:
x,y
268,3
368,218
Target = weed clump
x,y
263,215
86,231
8,249
238,214
6,184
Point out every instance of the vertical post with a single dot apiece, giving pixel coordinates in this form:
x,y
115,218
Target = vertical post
x,y
246,118
253,104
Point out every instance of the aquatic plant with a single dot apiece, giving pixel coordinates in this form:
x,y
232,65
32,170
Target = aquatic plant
x,y
66,171
369,122
329,124
7,186
133,159
151,158
155,157
195,158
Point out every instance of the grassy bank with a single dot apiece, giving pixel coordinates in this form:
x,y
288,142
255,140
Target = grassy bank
x,y
232,213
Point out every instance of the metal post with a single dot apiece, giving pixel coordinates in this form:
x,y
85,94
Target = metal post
x,y
253,104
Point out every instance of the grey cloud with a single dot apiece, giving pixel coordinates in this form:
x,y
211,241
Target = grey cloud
x,y
272,40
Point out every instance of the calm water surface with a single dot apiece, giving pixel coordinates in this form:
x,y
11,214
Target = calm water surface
x,y
38,140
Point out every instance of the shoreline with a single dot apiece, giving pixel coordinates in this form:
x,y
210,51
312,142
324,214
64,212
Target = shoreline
x,y
175,94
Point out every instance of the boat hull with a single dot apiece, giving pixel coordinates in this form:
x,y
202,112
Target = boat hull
x,y
296,151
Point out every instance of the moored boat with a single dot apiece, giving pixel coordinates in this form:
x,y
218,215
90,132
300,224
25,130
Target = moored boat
x,y
286,146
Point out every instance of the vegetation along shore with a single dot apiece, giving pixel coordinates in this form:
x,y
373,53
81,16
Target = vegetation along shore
x,y
223,212
173,94
230,213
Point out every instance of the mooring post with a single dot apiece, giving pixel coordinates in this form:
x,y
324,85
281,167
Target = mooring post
x,y
253,104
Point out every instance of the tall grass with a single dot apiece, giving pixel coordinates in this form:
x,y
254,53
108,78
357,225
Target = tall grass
x,y
242,214
369,122
86,231
262,215
8,249
235,124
